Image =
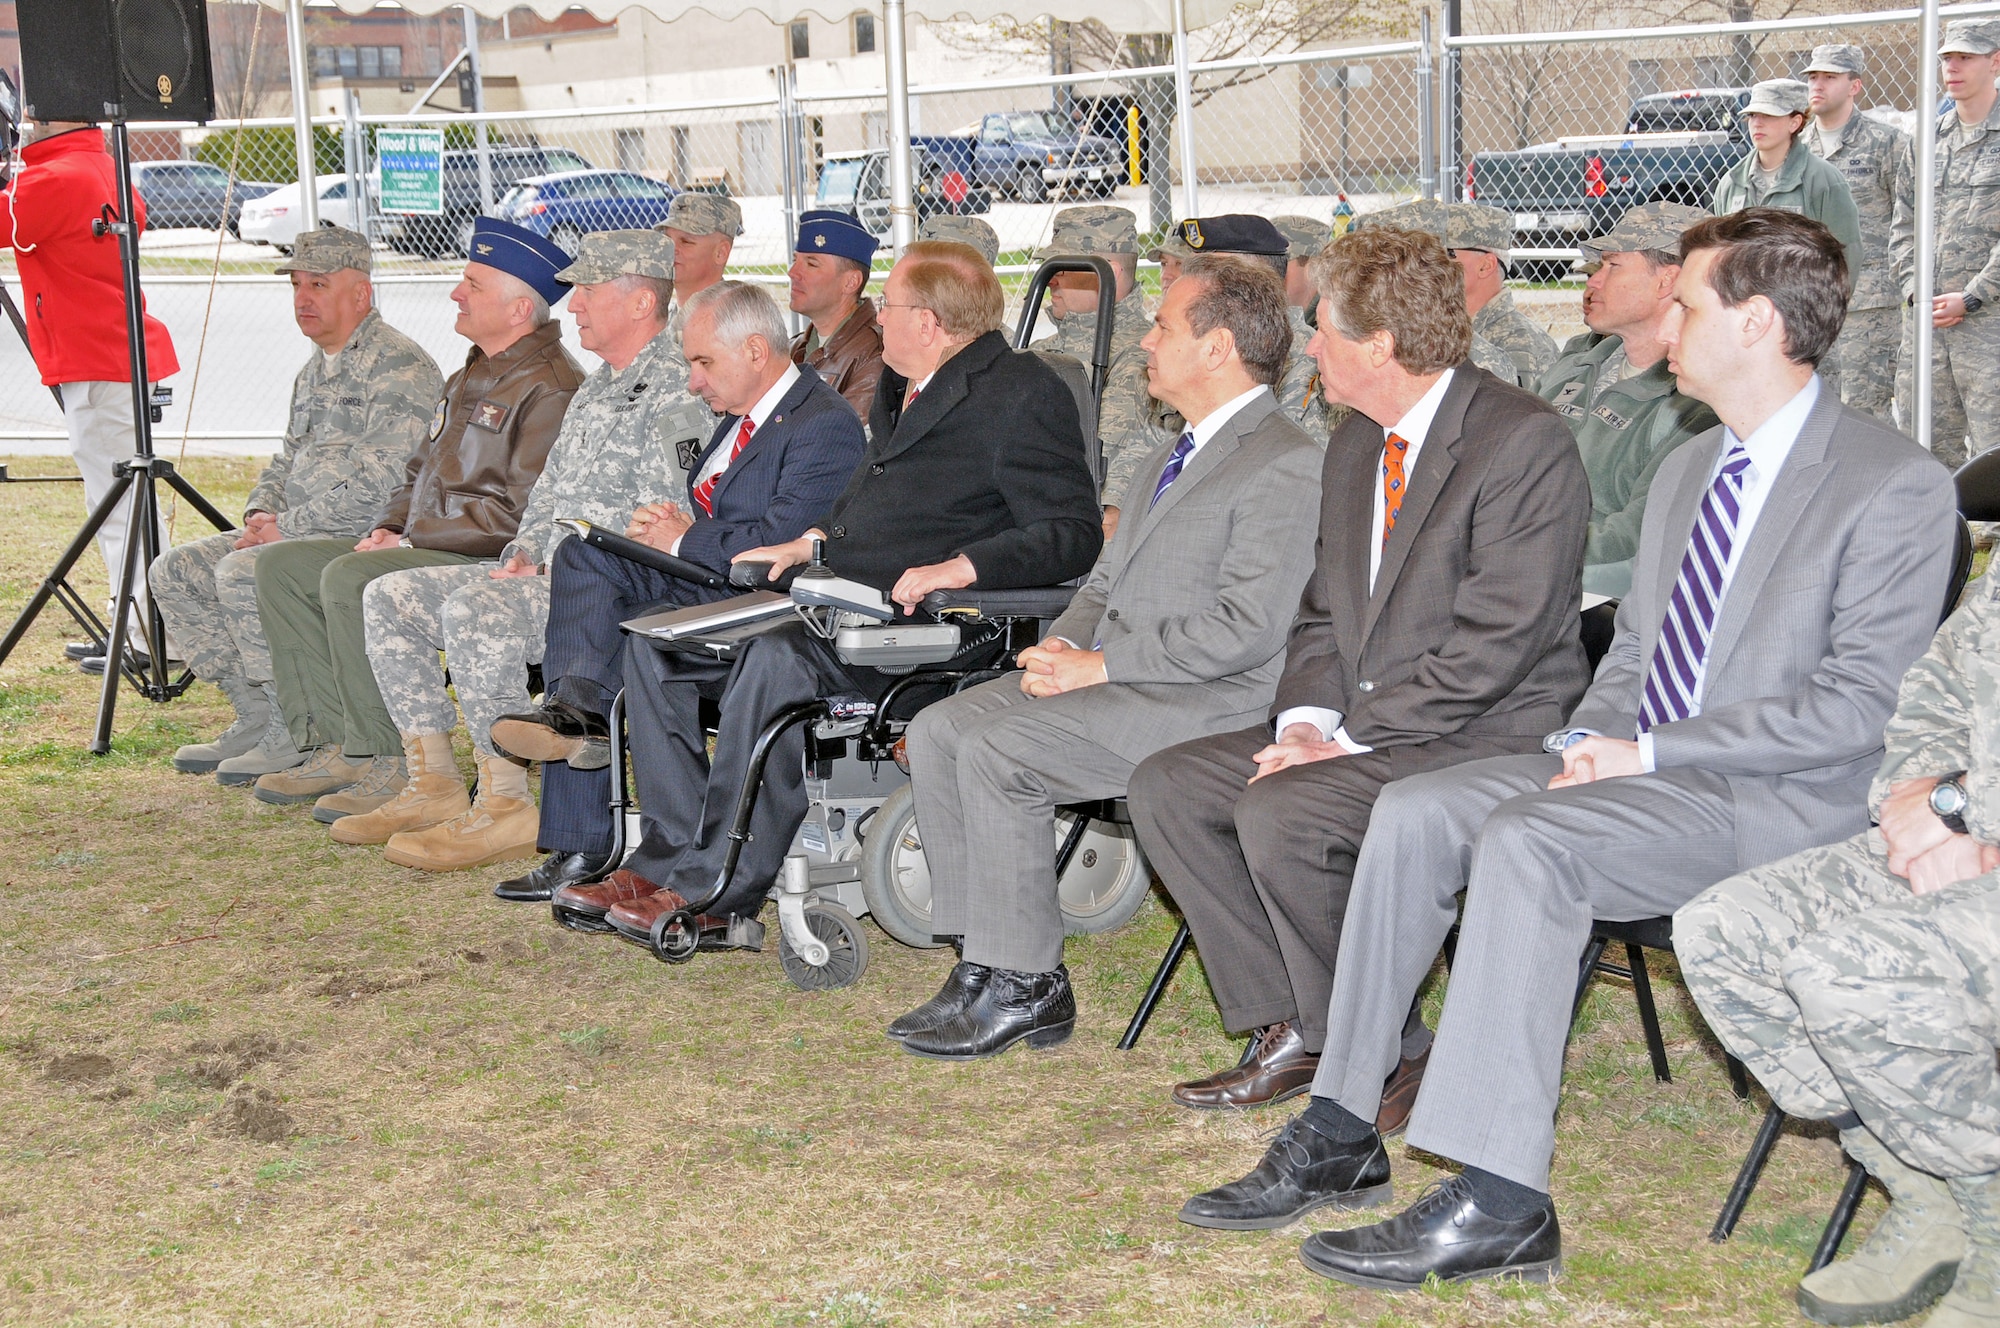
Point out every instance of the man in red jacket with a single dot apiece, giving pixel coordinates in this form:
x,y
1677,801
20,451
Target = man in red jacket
x,y
73,289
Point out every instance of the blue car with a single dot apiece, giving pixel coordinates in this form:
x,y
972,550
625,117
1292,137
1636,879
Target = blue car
x,y
566,205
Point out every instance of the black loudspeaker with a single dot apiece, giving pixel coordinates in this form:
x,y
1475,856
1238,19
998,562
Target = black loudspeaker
x,y
97,60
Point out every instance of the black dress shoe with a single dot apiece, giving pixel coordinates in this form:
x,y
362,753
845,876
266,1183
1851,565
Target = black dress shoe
x,y
94,664
555,731
1443,1232
1011,1007
1302,1170
78,650
964,983
550,875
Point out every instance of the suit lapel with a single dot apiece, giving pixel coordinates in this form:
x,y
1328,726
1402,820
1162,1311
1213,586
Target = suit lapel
x,y
725,429
1792,489
947,389
1434,466
1228,439
1347,521
772,434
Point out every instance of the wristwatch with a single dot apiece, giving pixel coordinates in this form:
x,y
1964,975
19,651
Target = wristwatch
x,y
1973,304
1948,800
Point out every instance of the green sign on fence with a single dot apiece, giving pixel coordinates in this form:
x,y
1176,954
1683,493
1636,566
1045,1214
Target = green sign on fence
x,y
412,162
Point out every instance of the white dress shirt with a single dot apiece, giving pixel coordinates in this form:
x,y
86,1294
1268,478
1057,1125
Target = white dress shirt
x,y
719,459
1413,428
1768,445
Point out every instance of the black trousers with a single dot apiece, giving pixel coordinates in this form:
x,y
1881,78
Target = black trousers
x,y
590,593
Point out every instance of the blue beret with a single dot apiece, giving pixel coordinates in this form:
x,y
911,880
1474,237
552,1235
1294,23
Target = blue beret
x,y
824,232
520,253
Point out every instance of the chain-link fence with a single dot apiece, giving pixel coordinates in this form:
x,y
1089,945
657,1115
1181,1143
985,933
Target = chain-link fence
x,y
1314,133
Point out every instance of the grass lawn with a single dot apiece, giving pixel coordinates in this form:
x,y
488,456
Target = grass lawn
x,y
250,1076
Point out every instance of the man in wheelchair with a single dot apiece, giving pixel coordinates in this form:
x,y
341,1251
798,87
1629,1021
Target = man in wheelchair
x,y
1178,633
975,476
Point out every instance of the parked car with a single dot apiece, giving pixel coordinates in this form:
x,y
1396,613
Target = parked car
x,y
277,217
566,206
1674,147
1029,154
451,233
190,193
857,183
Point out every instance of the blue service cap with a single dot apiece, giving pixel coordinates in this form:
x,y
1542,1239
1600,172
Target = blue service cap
x,y
520,253
824,232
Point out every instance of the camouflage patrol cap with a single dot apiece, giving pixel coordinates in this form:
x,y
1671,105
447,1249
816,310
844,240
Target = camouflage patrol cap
x,y
1779,96
328,249
962,230
1305,235
607,255
1478,226
1419,214
1649,227
1835,58
1097,229
704,214
1970,36
1170,246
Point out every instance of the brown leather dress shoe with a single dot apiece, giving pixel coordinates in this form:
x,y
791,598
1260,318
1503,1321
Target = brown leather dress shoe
x,y
1277,1067
1399,1093
634,918
582,907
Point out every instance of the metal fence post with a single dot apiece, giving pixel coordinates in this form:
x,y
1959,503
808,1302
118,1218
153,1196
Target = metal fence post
x,y
478,109
791,143
902,190
1427,184
1184,114
1926,162
302,130
1451,123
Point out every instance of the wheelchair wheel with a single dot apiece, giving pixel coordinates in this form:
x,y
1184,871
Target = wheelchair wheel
x,y
847,947
895,880
676,937
1107,880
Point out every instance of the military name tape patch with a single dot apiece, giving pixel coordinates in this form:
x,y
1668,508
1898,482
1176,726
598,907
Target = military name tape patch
x,y
489,415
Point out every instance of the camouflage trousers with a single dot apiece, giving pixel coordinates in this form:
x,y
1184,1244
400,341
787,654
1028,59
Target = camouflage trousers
x,y
209,592
1867,350
1841,990
489,629
1965,387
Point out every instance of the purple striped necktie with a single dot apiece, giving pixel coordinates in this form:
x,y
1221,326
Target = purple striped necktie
x,y
1175,461
1678,659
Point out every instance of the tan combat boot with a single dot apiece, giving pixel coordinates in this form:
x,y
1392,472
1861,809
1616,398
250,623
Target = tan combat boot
x,y
502,824
1908,1259
434,792
385,779
1974,1298
326,771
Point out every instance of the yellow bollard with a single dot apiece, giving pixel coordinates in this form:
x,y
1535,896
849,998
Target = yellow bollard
x,y
1132,146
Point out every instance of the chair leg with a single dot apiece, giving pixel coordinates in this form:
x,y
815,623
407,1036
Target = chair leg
x,y
1841,1218
1739,1078
1585,971
1746,1176
1176,950
1649,1015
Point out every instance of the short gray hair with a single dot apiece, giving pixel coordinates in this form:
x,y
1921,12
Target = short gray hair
x,y
662,288
539,312
740,311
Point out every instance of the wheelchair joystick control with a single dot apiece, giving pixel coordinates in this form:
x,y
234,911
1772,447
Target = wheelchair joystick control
x,y
817,568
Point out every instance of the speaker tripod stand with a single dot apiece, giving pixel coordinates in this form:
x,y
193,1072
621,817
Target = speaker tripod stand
x,y
135,488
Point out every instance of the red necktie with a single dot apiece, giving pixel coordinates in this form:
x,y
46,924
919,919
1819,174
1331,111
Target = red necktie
x,y
911,399
705,491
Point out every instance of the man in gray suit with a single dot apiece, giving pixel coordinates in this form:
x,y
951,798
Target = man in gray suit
x,y
1790,567
1440,625
1178,632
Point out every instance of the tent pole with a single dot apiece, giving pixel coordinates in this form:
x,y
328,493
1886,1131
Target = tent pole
x,y
302,134
902,197
1184,114
1926,156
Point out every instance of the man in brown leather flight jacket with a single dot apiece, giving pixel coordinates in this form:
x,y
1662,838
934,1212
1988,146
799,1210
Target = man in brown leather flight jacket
x,y
843,344
460,502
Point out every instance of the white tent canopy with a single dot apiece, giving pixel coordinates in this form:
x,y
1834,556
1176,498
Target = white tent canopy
x,y
1173,16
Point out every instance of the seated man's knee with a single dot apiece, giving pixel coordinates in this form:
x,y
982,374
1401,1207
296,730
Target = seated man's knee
x,y
931,734
343,579
1149,793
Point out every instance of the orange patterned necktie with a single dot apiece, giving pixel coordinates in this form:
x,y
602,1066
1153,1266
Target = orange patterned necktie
x,y
1392,482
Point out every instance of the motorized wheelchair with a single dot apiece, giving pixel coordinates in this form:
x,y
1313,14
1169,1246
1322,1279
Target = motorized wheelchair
x,y
858,851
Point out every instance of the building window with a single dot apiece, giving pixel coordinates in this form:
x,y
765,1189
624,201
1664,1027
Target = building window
x,y
864,34
350,62
371,61
801,40
326,62
392,62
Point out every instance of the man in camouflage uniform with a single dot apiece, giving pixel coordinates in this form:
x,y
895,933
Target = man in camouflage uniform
x,y
360,407
622,445
1872,156
1479,237
1858,982
1965,390
1612,386
963,230
1169,253
1304,237
703,228
1110,233
1423,214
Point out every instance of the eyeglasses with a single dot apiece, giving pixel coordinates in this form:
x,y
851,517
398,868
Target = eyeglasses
x,y
925,308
